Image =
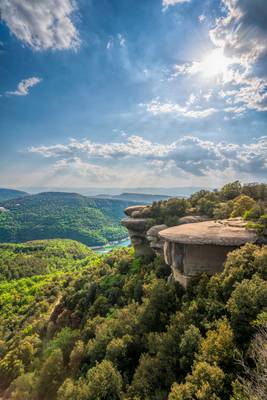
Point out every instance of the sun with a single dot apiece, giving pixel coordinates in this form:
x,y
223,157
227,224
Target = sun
x,y
215,63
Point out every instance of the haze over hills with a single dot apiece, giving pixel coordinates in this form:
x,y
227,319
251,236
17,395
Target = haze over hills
x,y
7,194
113,191
138,197
50,215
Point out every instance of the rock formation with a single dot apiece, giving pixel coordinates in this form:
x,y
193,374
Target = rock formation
x,y
137,228
196,245
194,248
155,241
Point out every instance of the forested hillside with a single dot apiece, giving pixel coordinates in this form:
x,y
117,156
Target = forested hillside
x,y
8,194
113,328
62,215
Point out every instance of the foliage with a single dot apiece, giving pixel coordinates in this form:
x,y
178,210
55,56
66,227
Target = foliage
x,y
53,215
79,326
97,339
232,200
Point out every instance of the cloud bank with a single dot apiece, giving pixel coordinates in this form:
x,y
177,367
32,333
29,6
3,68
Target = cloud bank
x,y
188,154
42,25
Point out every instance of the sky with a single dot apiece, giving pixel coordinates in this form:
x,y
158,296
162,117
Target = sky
x,y
132,93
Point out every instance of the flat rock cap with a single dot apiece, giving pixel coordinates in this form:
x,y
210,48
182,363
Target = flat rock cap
x,y
227,232
129,210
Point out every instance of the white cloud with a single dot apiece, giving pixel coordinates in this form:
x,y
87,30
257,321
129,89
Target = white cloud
x,y
122,40
189,154
78,168
42,24
168,3
238,63
110,44
202,18
24,86
155,107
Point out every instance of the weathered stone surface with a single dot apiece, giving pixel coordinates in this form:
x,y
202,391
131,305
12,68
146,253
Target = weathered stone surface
x,y
191,219
135,224
231,232
155,229
137,228
192,249
129,210
156,243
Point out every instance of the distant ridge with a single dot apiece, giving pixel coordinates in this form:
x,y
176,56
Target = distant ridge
x,y
8,194
137,197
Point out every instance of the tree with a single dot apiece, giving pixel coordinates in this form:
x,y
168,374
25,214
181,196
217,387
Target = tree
x,y
205,383
51,376
247,301
23,387
253,385
242,204
103,382
188,347
218,346
67,390
231,190
76,357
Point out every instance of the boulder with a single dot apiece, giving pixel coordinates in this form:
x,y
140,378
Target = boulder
x,y
129,210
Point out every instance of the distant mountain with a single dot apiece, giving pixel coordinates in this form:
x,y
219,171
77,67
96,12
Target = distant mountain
x,y
182,191
8,194
137,197
91,221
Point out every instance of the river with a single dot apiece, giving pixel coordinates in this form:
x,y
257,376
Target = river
x,y
109,247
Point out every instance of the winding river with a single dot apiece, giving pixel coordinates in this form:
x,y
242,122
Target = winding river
x,y
109,247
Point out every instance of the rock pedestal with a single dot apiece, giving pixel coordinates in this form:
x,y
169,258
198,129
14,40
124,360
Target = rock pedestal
x,y
137,228
195,248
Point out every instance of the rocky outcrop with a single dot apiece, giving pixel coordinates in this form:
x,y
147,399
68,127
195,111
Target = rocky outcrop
x,y
191,219
195,245
192,249
130,210
137,228
155,241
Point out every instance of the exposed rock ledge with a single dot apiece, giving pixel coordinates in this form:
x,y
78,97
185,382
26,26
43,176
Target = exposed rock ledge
x,y
202,247
194,246
231,232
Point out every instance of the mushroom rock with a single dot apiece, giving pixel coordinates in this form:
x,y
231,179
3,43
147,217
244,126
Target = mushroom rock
x,y
195,248
137,228
155,241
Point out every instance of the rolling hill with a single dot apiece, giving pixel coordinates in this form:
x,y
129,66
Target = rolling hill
x,y
141,198
8,194
62,215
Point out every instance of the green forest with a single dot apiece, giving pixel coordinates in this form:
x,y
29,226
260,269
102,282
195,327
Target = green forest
x,y
248,201
53,215
76,325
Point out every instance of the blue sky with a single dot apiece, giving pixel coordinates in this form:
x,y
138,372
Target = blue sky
x,y
131,93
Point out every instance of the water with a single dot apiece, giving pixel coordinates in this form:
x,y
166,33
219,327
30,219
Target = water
x,y
109,247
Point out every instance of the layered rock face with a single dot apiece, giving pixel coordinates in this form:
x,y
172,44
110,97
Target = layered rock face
x,y
137,228
155,241
196,248
196,245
